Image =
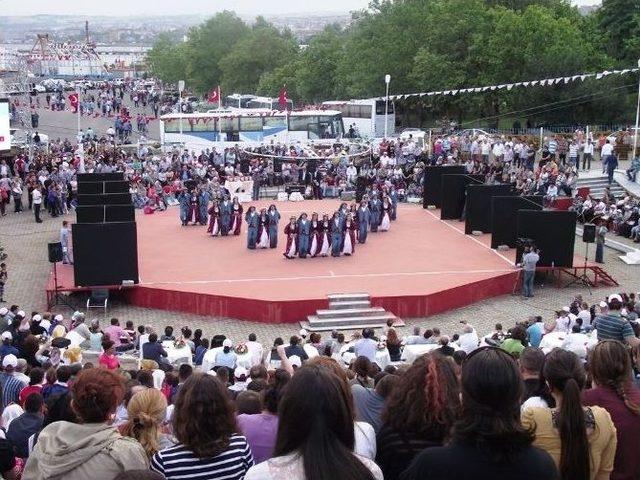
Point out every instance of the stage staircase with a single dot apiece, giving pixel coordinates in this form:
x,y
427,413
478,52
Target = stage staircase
x,y
597,183
349,311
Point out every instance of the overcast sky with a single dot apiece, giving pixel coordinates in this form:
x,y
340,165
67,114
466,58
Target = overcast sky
x,y
175,7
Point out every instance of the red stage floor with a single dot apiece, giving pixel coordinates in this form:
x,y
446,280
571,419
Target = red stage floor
x,y
422,266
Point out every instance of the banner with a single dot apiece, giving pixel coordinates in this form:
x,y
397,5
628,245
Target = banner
x,y
5,133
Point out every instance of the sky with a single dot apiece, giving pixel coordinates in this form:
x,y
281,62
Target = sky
x,y
187,7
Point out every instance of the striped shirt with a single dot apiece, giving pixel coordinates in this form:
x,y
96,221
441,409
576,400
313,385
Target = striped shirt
x,y
11,387
179,462
613,327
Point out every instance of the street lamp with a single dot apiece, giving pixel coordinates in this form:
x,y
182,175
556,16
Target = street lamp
x,y
387,81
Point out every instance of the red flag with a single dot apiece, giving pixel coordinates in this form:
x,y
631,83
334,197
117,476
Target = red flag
x,y
214,95
283,100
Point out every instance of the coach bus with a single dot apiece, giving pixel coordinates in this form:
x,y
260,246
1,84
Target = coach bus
x,y
268,103
367,115
228,127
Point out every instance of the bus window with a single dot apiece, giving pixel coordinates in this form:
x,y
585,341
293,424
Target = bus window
x,y
301,123
275,122
250,124
172,125
228,124
380,107
203,125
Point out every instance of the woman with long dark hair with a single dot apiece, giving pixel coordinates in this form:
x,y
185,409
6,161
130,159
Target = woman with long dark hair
x,y
419,413
488,440
613,389
581,441
315,434
204,424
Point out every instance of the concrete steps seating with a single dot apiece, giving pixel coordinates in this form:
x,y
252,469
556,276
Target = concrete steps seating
x,y
349,311
597,184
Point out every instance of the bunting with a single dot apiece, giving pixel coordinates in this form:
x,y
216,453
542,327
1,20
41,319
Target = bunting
x,y
509,86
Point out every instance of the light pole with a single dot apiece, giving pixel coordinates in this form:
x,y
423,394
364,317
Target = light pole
x,y
635,132
387,81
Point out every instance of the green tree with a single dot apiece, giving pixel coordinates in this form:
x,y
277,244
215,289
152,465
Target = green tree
x,y
618,20
167,60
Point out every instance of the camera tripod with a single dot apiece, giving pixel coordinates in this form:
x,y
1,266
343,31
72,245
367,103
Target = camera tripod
x,y
584,278
58,298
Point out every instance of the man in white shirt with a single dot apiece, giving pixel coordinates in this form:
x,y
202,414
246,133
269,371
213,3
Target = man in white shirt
x,y
36,196
469,340
605,153
366,346
576,342
587,155
256,350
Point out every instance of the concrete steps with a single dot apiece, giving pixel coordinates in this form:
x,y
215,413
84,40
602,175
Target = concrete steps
x,y
349,311
598,184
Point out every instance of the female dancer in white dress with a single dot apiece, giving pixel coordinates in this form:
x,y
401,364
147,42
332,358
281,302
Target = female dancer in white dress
x,y
385,221
263,230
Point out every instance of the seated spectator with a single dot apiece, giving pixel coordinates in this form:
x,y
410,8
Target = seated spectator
x,y
516,342
488,440
36,377
204,425
152,350
316,430
469,340
294,348
613,390
201,349
10,384
146,413
393,345
363,370
366,346
107,358
369,403
227,358
9,469
7,347
60,378
255,349
419,413
248,403
97,446
445,349
535,393
168,334
415,338
581,440
26,425
261,429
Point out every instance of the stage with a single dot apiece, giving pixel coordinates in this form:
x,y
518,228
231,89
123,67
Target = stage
x,y
420,267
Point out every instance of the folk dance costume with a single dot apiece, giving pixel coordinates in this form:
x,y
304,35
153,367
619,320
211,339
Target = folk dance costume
x,y
214,220
291,231
274,218
385,221
252,228
263,231
236,218
322,236
375,209
226,210
194,208
363,217
336,235
393,196
183,200
203,200
304,232
314,247
349,237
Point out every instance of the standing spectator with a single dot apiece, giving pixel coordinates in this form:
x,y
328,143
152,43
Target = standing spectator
x,y
601,232
613,390
316,431
204,424
587,155
529,261
99,451
488,441
605,152
612,164
419,413
581,440
3,280
65,240
36,199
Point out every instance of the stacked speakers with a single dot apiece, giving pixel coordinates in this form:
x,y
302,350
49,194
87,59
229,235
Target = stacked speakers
x,y
105,240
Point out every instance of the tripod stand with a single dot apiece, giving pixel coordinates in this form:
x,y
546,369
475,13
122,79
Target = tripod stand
x,y
584,278
58,298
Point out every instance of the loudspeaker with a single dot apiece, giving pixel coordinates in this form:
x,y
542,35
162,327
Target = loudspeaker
x,y
433,182
90,214
100,177
552,231
479,197
454,194
105,253
589,233
116,186
55,252
90,188
119,213
504,212
105,199
277,165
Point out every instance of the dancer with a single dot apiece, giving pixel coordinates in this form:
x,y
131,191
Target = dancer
x,y
323,236
336,235
363,217
314,244
263,229
226,210
343,210
385,219
183,199
194,207
304,231
375,207
203,202
274,218
349,239
291,231
236,220
393,196
252,227
214,220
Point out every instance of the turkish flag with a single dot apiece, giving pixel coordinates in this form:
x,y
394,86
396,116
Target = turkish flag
x,y
283,100
214,95
73,100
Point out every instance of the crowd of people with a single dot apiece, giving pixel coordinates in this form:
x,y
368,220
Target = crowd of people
x,y
547,398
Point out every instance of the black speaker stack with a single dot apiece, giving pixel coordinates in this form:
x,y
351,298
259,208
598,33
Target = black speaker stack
x,y
105,240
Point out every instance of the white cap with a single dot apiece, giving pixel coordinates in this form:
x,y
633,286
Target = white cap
x,y
614,296
21,313
3,311
37,318
623,312
603,304
10,361
240,372
566,309
58,318
294,359
303,332
7,336
227,343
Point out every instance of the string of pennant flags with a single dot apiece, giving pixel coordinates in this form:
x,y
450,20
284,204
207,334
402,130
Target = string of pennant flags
x,y
510,86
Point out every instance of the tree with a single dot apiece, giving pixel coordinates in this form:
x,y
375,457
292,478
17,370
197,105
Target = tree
x,y
167,60
618,20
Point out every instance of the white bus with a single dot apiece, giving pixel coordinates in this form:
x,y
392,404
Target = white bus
x,y
367,115
268,103
228,127
237,100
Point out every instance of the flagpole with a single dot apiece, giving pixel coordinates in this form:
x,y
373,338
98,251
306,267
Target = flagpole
x,y
78,108
635,133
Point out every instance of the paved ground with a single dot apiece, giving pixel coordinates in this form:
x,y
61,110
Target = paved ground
x,y
26,242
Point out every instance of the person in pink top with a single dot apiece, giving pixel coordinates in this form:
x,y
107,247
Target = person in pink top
x,y
115,333
107,358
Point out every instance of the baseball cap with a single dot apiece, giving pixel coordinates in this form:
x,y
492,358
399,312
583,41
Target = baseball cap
x,y
240,372
10,361
303,332
295,360
4,311
603,304
614,296
21,313
227,343
7,336
37,318
58,318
